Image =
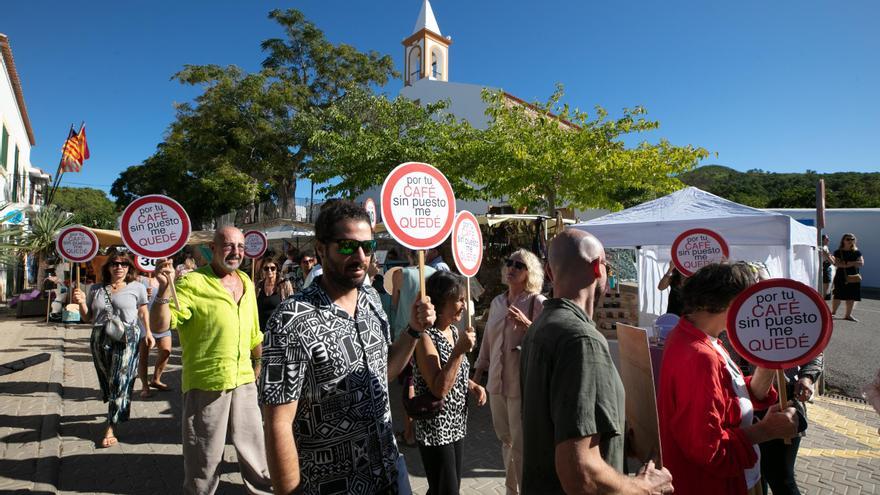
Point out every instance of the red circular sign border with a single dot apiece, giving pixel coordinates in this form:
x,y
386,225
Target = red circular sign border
x,y
827,322
141,268
265,242
78,228
388,217
375,218
153,198
461,217
725,249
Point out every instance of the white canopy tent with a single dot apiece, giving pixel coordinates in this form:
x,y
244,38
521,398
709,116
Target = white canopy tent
x,y
784,245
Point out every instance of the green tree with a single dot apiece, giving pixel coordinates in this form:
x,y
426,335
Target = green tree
x,y
247,135
546,155
90,207
363,136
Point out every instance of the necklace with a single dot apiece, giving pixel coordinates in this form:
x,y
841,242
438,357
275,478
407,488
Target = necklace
x,y
117,285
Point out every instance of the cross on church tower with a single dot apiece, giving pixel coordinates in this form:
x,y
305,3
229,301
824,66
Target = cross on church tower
x,y
426,51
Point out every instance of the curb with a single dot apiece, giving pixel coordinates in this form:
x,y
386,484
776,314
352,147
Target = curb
x,y
49,451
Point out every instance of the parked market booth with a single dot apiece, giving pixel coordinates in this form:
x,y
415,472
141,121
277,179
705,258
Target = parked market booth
x,y
785,246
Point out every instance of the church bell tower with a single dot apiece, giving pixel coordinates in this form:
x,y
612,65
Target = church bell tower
x,y
426,51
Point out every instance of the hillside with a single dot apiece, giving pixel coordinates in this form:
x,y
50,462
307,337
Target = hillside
x,y
787,190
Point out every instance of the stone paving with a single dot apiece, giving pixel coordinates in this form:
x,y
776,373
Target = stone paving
x,y
50,417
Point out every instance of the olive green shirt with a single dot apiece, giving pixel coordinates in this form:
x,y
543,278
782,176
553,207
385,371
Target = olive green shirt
x,y
570,390
216,334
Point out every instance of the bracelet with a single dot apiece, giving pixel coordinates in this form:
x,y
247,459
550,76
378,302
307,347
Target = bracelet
x,y
162,300
412,332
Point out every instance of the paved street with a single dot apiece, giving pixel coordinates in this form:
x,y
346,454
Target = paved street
x,y
851,356
50,416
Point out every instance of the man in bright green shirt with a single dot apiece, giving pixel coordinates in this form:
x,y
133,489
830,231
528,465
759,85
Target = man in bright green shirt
x,y
216,319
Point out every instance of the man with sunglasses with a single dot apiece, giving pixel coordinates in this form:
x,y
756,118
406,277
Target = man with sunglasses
x,y
217,320
326,366
573,418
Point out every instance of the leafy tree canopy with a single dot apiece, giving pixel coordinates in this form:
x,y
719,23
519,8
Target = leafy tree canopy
x,y
90,207
246,137
546,155
761,189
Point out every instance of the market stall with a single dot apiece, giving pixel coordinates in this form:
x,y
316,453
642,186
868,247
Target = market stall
x,y
785,246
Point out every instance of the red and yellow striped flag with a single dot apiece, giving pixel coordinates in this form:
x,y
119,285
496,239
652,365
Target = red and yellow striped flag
x,y
75,151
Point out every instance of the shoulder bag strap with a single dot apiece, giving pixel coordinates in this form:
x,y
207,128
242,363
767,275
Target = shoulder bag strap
x,y
109,303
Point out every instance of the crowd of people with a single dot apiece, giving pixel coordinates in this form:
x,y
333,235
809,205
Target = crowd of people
x,y
295,368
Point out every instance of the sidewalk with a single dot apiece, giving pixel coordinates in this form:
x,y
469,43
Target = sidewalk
x,y
50,417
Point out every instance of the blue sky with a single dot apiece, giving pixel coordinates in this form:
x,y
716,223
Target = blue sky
x,y
782,86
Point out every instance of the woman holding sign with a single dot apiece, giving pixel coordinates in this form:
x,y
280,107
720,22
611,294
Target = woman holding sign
x,y
510,315
847,280
442,370
119,298
706,406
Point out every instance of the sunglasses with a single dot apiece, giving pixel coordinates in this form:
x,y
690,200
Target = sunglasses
x,y
119,263
519,265
849,238
270,268
350,246
308,261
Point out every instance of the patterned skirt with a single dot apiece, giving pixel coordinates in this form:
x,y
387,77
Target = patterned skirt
x,y
116,364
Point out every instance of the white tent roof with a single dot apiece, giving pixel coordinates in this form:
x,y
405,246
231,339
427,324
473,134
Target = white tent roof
x,y
660,221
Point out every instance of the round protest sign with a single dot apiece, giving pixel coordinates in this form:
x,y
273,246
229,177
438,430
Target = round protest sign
x,y
370,206
77,244
255,243
779,323
154,226
696,248
146,265
467,244
418,206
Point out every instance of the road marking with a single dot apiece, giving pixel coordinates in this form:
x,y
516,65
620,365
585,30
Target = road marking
x,y
850,428
839,453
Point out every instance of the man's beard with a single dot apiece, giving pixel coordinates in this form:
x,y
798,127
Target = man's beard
x,y
339,278
231,264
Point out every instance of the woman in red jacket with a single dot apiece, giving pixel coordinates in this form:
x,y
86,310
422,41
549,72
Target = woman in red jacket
x,y
706,405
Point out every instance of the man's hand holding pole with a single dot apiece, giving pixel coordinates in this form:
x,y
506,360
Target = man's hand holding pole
x,y
160,315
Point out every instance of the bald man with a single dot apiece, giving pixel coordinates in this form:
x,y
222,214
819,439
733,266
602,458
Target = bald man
x,y
573,399
216,319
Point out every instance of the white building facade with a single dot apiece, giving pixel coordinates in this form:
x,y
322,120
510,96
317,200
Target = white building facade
x,y
22,186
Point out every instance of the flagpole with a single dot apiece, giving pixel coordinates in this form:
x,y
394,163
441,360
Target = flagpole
x,y
60,172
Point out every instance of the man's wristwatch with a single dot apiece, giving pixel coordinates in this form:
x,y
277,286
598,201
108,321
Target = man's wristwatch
x,y
162,300
412,332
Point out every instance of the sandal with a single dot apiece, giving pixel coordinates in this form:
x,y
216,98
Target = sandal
x,y
146,394
159,386
850,318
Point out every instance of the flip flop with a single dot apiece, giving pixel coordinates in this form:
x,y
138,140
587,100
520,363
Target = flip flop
x,y
850,318
160,386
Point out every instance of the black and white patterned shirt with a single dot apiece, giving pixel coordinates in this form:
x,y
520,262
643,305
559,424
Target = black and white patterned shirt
x,y
450,424
336,366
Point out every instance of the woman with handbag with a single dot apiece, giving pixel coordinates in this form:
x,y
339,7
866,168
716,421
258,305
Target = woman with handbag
x,y
847,281
510,315
441,371
114,307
